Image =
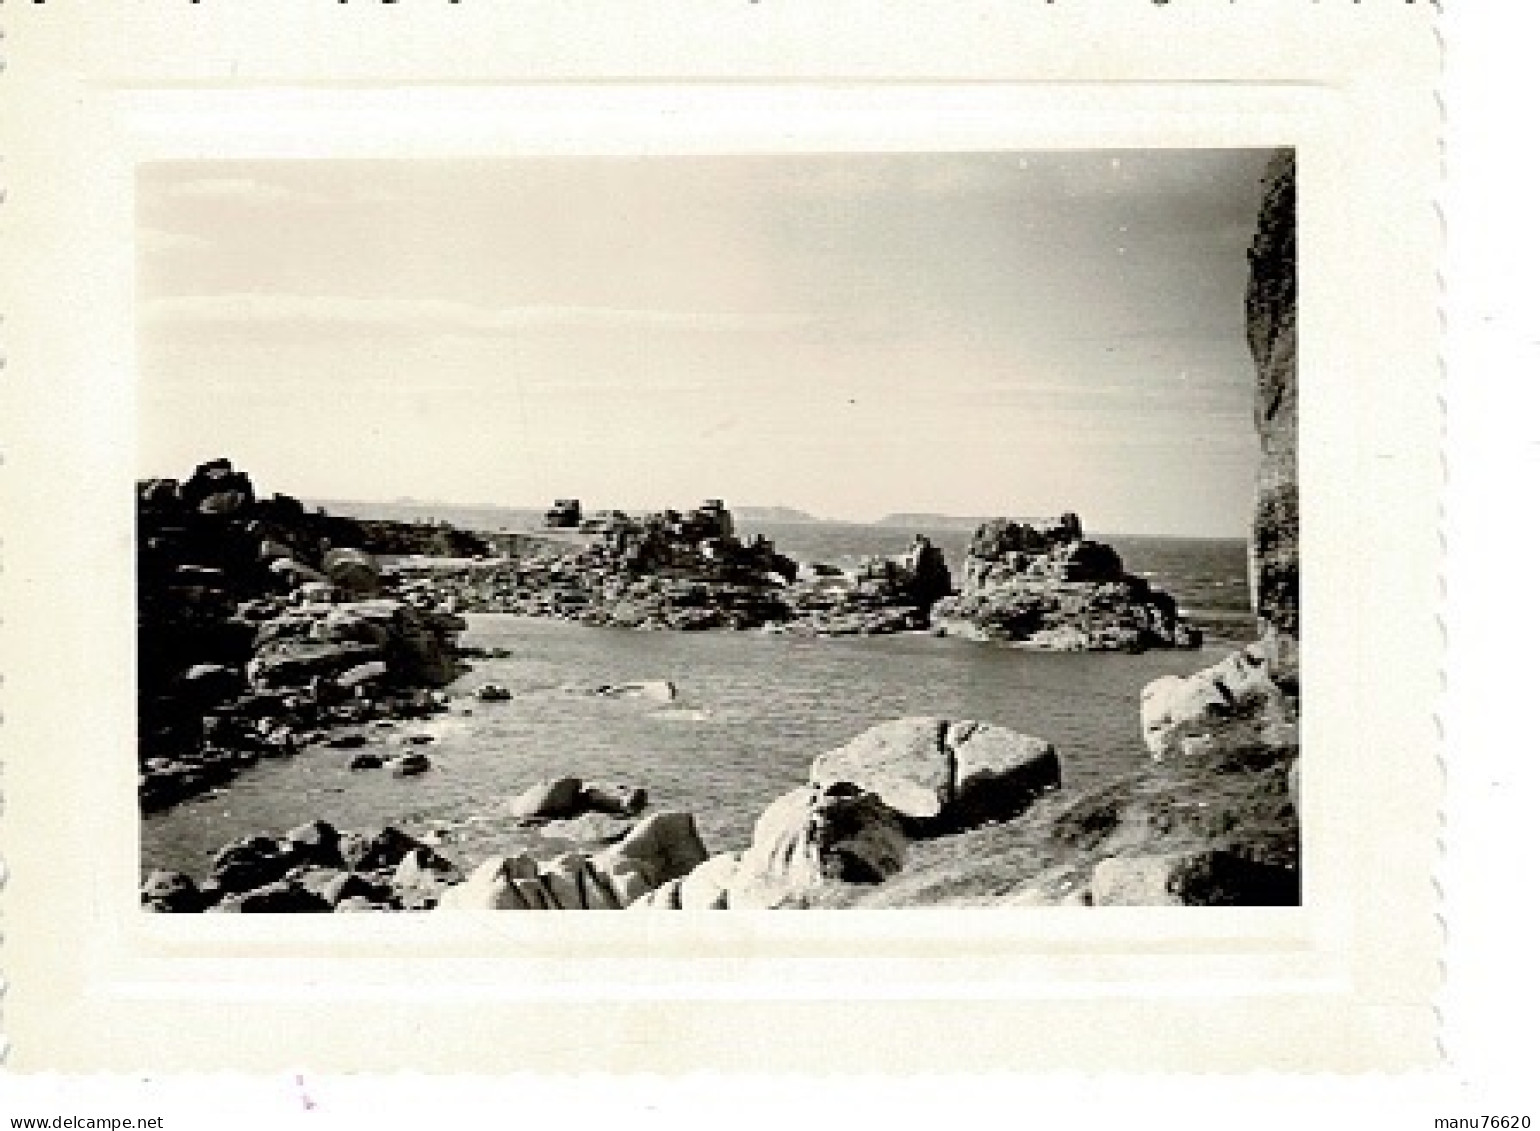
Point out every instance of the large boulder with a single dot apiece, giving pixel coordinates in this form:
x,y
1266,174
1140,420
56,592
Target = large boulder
x,y
942,775
215,488
491,886
550,799
662,847
1235,704
353,571
294,663
810,839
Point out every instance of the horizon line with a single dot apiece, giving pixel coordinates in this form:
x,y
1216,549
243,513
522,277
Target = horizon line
x,y
812,518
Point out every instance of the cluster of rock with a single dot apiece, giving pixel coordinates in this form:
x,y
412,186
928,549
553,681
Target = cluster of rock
x,y
689,571
261,625
316,868
564,514
1050,587
435,539
313,868
850,826
671,570
882,595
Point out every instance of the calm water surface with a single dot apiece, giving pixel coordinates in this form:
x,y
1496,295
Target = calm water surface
x,y
752,713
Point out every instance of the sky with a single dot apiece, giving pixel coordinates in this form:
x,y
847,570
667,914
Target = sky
x,y
1014,333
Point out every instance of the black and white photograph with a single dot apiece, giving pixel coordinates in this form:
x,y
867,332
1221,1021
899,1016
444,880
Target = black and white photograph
x,y
807,531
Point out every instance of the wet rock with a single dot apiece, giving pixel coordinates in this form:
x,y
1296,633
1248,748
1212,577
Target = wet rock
x,y
607,797
410,765
347,740
368,760
493,693
649,690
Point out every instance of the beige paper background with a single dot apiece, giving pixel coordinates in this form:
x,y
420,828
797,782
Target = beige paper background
x,y
1344,983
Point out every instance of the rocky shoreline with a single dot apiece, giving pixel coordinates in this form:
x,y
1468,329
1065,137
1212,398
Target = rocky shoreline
x,y
264,627
915,811
275,629
1045,587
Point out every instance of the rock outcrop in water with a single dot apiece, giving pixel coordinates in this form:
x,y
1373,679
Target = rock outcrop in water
x,y
672,570
1053,588
259,623
881,595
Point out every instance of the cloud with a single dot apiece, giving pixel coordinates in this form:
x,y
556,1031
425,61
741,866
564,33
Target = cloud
x,y
436,316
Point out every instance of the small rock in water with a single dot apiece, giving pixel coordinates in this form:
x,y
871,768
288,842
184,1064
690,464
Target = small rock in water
x,y
366,761
555,797
409,765
493,693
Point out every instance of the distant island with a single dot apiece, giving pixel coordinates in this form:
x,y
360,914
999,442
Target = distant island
x,y
933,521
776,514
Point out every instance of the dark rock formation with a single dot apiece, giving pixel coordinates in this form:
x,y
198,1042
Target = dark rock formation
x,y
1271,303
427,539
565,513
248,642
883,595
671,570
1053,588
313,868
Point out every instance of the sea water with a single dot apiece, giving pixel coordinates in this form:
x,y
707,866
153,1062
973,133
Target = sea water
x,y
751,711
